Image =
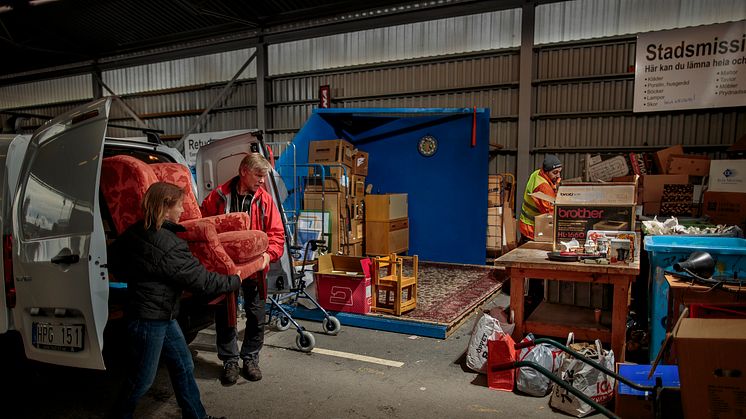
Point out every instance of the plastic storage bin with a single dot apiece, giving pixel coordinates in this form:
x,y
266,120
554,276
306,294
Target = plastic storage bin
x,y
730,259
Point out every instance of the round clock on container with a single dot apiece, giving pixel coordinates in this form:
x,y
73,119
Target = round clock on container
x,y
427,146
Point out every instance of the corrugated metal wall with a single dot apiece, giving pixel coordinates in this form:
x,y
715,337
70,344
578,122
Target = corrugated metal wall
x,y
192,71
582,90
63,89
585,19
500,29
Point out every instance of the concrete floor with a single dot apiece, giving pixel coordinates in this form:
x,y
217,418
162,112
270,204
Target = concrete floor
x,y
431,382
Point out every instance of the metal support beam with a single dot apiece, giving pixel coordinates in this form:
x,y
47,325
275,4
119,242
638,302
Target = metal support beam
x,y
127,109
525,102
262,71
96,88
180,145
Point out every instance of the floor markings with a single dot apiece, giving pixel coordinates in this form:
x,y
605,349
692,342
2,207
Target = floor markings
x,y
357,357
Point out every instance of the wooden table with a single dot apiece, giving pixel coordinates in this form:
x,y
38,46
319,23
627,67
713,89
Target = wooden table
x,y
683,293
550,319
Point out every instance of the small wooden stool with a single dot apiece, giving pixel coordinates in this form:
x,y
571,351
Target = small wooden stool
x,y
387,276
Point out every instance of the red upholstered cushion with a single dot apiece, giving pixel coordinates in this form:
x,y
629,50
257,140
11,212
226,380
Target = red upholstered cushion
x,y
124,181
243,246
233,221
179,175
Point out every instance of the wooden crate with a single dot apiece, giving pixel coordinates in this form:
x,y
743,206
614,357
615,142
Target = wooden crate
x,y
386,237
386,207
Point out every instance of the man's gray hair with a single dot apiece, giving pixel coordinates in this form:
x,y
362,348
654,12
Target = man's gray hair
x,y
255,162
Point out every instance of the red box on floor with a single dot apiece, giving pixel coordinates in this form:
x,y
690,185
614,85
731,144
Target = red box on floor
x,y
342,284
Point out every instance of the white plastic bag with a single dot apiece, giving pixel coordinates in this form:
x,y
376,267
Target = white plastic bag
x,y
529,380
476,352
590,381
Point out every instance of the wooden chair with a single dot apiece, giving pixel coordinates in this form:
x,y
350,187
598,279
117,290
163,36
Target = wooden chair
x,y
400,291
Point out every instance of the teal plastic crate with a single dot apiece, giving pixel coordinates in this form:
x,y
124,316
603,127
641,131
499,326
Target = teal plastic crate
x,y
730,261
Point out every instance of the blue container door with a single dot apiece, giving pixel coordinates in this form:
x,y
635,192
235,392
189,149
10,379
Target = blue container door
x,y
658,311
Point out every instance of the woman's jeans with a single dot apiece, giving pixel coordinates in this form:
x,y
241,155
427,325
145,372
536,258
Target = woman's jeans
x,y
149,339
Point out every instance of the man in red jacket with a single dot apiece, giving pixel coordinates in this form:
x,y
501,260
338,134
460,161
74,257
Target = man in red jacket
x,y
245,192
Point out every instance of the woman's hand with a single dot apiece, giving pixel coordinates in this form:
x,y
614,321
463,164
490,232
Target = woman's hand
x,y
265,255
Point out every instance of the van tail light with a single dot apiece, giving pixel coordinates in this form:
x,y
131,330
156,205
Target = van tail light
x,y
10,288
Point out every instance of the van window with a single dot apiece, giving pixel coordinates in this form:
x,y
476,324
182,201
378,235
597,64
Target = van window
x,y
59,193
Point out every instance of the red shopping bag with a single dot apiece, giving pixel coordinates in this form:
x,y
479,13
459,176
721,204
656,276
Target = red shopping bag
x,y
500,351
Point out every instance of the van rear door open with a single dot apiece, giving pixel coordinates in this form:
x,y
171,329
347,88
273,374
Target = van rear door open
x,y
59,249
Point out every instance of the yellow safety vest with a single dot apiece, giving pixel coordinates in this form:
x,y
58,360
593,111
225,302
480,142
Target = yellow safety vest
x,y
528,209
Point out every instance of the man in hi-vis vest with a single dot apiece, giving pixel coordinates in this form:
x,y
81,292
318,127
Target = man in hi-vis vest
x,y
544,180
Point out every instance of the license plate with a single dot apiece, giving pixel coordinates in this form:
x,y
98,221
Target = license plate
x,y
58,337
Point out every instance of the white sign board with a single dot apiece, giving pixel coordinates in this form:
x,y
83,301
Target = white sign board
x,y
691,68
194,141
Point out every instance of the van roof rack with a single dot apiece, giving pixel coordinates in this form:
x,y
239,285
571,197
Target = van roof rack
x,y
153,135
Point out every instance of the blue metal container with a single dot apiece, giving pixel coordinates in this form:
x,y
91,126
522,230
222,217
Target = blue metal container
x,y
730,261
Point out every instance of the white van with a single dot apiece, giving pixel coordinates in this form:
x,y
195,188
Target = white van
x,y
56,290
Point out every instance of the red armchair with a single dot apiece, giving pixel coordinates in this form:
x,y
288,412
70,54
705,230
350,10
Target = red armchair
x,y
223,243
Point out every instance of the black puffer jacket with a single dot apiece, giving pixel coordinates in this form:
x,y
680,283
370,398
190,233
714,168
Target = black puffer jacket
x,y
158,266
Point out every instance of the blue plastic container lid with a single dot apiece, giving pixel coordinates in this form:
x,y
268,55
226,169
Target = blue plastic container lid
x,y
638,374
682,244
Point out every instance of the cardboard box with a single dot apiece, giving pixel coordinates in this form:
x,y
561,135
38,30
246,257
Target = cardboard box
x,y
494,228
334,204
385,207
631,403
651,208
581,207
636,179
652,185
357,207
661,157
314,184
725,207
357,230
494,216
342,285
331,151
544,228
605,170
712,367
360,163
728,176
357,186
690,165
353,248
494,190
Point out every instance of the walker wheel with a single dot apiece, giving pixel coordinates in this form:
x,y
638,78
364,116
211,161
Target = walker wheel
x,y
331,325
305,341
282,323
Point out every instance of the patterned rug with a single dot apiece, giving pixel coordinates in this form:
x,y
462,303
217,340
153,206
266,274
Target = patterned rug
x,y
447,292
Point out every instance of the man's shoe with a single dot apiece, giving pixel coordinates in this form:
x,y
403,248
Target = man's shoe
x,y
215,417
230,373
251,370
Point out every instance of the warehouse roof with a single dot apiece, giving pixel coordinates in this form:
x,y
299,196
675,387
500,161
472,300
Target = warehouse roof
x,y
37,34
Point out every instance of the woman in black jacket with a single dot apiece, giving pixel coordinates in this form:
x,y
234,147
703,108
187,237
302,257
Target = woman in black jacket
x,y
158,266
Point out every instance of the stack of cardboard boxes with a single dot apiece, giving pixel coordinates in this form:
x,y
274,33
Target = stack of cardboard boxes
x,y
501,224
494,214
337,187
674,190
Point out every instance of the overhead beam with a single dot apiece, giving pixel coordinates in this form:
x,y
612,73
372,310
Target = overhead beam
x,y
223,93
